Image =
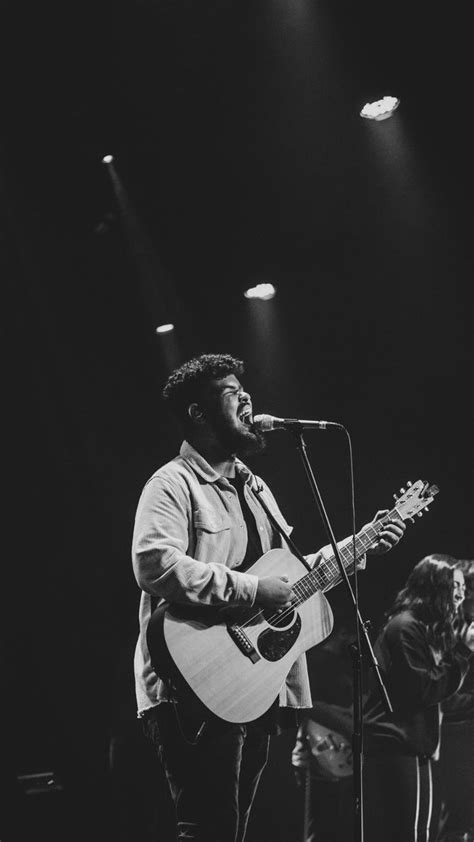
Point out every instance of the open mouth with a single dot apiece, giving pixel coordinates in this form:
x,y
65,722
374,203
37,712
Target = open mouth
x,y
246,417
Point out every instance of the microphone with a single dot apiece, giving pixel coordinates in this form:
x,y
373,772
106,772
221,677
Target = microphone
x,y
266,423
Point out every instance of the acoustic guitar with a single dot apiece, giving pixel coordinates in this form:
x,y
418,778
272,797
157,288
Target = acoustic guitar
x,y
235,660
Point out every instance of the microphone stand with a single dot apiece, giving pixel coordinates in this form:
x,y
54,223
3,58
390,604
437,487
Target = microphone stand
x,y
356,649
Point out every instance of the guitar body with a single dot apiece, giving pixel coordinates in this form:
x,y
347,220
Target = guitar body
x,y
332,753
239,679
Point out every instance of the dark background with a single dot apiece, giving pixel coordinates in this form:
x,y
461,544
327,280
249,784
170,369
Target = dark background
x,y
241,158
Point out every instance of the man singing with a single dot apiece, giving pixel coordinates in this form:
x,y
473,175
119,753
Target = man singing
x,y
199,528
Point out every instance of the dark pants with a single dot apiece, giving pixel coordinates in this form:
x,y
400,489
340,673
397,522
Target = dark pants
x,y
399,800
329,810
457,778
212,777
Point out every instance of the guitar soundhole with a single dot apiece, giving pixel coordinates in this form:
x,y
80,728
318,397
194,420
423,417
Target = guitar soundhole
x,y
274,644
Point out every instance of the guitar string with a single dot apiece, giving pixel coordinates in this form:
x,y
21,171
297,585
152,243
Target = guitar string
x,y
331,566
317,576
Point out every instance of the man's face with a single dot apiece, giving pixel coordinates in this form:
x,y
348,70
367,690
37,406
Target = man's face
x,y
228,411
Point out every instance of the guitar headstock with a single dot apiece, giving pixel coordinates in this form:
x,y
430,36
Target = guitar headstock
x,y
416,497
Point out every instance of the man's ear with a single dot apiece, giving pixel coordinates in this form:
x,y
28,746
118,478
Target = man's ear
x,y
196,414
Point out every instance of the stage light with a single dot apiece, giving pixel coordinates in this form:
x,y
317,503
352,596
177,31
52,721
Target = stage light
x,y
107,159
382,109
166,328
262,291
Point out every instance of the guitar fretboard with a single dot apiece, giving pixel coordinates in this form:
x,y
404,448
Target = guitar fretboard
x,y
327,572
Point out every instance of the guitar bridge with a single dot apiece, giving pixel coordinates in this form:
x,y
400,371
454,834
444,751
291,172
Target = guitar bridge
x,y
242,641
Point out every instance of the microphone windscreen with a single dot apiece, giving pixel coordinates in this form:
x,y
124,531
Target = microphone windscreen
x,y
264,423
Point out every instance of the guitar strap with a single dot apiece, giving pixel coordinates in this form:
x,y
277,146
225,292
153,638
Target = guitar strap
x,y
258,496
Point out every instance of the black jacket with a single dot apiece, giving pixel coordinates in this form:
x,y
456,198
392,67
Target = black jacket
x,y
417,681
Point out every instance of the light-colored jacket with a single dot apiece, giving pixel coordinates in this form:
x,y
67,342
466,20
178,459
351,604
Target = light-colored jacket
x,y
189,538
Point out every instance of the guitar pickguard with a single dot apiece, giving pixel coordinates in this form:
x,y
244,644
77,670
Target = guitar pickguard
x,y
273,644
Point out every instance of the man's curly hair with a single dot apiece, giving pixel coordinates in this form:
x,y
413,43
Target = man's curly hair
x,y
187,383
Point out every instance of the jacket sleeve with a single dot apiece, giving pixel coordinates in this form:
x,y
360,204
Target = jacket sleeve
x,y
417,679
459,707
159,553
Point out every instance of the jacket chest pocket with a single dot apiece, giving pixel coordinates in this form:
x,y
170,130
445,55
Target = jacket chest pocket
x,y
210,522
212,533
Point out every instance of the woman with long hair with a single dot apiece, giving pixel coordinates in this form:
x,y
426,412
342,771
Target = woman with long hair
x,y
423,655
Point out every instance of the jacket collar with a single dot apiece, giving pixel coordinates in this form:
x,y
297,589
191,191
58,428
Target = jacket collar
x,y
204,469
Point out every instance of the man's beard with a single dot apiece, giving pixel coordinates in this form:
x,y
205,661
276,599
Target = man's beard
x,y
241,443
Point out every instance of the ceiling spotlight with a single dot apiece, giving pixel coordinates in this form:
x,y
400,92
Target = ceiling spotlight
x,y
107,159
382,109
262,291
167,328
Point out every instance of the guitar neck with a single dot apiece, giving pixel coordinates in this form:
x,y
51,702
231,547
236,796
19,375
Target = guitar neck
x,y
327,572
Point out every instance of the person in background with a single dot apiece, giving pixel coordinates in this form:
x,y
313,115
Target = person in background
x,y
424,659
456,773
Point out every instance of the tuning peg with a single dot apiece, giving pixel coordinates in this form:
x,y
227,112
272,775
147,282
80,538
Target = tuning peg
x,y
409,482
402,491
420,514
395,497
